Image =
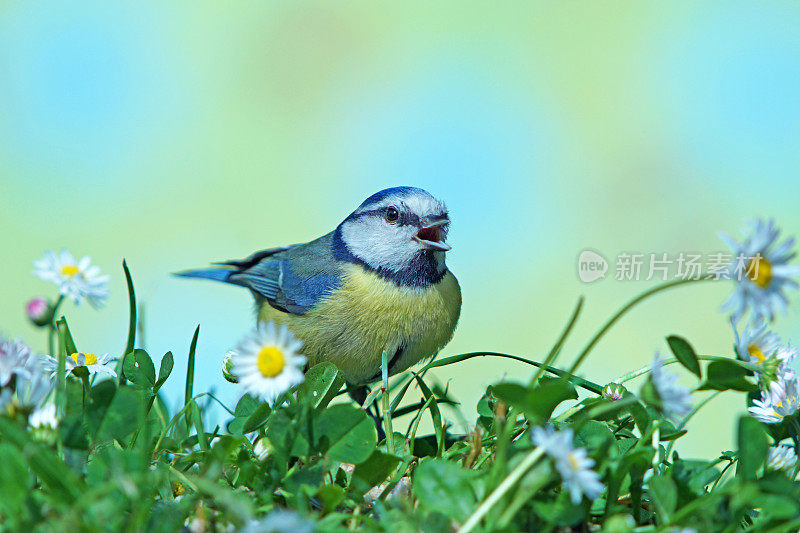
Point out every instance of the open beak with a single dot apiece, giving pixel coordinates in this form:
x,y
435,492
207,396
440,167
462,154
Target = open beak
x,y
430,234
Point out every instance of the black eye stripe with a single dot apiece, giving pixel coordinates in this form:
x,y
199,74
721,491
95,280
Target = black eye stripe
x,y
409,218
405,218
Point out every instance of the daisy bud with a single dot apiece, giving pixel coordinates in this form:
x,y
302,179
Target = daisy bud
x,y
262,449
227,368
613,392
781,458
43,423
39,311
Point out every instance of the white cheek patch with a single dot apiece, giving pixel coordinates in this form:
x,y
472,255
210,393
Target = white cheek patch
x,y
380,244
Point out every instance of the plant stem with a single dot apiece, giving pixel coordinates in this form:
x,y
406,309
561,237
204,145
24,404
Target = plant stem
x,y
578,381
51,327
504,424
506,485
61,376
722,474
559,343
611,321
596,410
645,369
411,434
656,438
386,412
51,330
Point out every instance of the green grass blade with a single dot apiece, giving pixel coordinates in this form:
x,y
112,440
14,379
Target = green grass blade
x,y
554,351
386,412
399,396
624,309
131,340
54,473
63,331
66,348
61,372
199,427
131,310
435,415
190,368
411,408
578,381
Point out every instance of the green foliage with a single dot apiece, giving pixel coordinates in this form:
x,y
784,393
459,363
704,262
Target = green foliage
x,y
345,434
725,375
122,460
684,353
444,487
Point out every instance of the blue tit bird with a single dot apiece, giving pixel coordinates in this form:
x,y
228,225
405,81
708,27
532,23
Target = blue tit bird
x,y
377,282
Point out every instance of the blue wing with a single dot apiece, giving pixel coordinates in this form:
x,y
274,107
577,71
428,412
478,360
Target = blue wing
x,y
291,279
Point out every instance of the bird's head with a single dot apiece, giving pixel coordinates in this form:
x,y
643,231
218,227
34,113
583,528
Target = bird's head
x,y
397,230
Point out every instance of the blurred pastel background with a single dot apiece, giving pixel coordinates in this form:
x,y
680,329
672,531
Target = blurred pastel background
x,y
176,135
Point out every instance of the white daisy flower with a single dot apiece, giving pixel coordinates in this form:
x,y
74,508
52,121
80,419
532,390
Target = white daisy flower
x,y
227,367
573,464
781,457
44,417
33,388
759,346
102,364
756,344
14,357
779,401
676,401
578,476
29,390
555,443
782,359
78,280
280,521
266,362
761,270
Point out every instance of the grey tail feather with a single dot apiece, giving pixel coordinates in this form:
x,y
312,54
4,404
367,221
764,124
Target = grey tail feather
x,y
217,274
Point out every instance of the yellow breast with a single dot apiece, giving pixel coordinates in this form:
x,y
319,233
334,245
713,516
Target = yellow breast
x,y
368,314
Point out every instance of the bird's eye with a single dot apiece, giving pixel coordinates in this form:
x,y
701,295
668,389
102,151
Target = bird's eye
x,y
392,215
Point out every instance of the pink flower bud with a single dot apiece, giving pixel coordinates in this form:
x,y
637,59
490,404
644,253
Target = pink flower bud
x,y
39,311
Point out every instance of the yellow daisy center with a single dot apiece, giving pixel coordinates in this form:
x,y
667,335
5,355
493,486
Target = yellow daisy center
x,y
270,361
761,270
756,352
90,358
573,462
69,270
